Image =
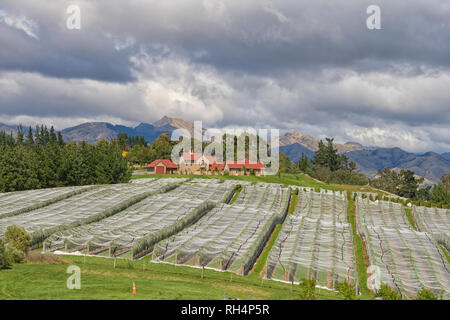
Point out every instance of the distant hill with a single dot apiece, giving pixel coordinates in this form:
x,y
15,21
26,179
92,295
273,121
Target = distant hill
x,y
292,137
429,165
95,131
8,129
446,154
294,151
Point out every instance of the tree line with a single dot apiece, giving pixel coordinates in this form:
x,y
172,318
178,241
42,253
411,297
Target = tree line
x,y
41,159
405,184
327,165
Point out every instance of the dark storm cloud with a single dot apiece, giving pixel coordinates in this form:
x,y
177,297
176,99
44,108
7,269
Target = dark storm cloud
x,y
252,36
58,52
308,65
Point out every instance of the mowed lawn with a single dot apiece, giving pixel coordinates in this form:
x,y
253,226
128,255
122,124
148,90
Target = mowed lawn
x,y
99,280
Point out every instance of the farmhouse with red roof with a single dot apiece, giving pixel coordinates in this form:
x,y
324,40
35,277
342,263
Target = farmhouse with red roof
x,y
197,163
162,166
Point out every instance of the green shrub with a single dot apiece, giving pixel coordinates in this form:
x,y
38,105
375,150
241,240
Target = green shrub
x,y
307,289
346,290
15,256
18,239
425,294
387,293
341,176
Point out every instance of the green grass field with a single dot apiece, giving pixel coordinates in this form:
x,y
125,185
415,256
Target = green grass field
x,y
99,280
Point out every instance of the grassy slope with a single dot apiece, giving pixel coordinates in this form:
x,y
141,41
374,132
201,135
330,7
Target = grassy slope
x,y
447,255
409,216
261,262
359,250
158,281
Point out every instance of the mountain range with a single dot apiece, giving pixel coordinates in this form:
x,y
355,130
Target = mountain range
x,y
369,160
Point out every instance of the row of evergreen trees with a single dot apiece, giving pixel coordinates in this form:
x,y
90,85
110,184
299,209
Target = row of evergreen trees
x,y
327,165
41,159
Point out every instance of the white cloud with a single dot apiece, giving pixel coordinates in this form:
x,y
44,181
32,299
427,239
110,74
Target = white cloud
x,y
28,26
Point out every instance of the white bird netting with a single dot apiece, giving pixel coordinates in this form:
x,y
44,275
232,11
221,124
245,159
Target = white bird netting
x,y
315,242
148,216
435,221
19,200
381,213
407,260
147,180
230,237
80,206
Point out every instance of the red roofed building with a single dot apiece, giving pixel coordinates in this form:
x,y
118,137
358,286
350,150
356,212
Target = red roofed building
x,y
197,163
162,166
236,168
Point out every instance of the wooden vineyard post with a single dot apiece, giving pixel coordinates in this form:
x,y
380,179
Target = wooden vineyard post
x,y
203,271
263,275
86,253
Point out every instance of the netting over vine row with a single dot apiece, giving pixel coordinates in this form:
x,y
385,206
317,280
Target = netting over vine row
x,y
19,200
435,221
212,190
147,180
122,230
81,206
315,242
381,213
407,260
230,237
326,205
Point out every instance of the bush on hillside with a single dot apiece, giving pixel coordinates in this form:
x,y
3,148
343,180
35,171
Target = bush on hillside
x,y
387,293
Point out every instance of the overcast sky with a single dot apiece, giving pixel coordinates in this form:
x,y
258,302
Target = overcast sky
x,y
312,66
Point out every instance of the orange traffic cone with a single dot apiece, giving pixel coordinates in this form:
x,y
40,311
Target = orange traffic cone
x,y
134,288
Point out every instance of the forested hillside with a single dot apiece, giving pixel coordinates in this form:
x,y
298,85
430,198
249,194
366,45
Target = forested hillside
x,y
41,159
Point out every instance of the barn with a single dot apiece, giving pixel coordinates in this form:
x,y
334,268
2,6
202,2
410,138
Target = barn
x,y
162,166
